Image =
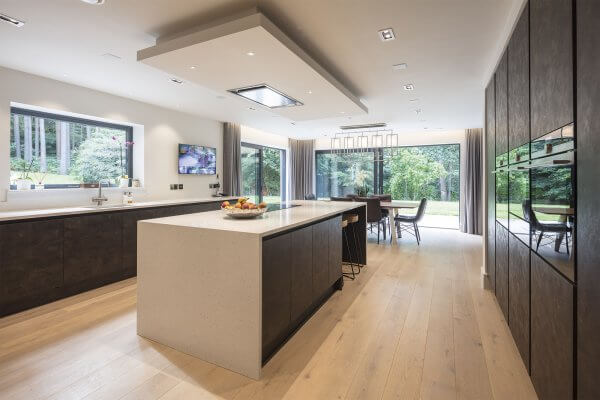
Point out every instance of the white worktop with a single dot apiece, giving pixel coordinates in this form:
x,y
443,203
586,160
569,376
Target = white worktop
x,y
54,212
271,222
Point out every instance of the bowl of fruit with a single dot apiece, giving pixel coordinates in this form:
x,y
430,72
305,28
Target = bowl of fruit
x,y
243,208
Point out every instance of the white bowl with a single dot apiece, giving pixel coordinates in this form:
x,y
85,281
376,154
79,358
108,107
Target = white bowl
x,y
241,213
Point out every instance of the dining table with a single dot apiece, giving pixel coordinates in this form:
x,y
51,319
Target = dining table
x,y
563,214
393,206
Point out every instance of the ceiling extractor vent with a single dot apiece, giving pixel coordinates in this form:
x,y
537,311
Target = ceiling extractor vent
x,y
11,20
365,126
267,96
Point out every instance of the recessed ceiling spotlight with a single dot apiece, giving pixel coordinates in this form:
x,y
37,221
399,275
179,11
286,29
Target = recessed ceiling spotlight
x,y
193,67
293,123
397,67
409,86
177,81
94,2
10,20
418,111
310,92
414,100
250,53
251,108
386,34
342,112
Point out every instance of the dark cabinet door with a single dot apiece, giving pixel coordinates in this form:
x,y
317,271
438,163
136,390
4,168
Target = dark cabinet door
x,y
302,274
92,250
502,106
502,269
276,284
31,270
518,287
551,332
335,249
551,53
490,134
129,254
588,218
320,259
518,83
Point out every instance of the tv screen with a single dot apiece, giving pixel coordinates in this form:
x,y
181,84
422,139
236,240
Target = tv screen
x,y
197,160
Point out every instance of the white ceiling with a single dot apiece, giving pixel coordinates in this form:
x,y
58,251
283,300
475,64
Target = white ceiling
x,y
449,45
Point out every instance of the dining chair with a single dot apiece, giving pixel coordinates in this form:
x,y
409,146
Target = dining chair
x,y
334,198
374,215
409,223
544,227
385,211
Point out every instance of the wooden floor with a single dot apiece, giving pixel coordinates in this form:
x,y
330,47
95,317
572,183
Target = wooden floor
x,y
416,324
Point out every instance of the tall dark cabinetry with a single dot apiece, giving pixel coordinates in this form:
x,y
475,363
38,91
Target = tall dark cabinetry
x,y
588,224
551,38
490,132
518,83
502,107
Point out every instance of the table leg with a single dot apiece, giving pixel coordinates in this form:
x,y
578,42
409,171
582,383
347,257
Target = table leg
x,y
393,213
560,236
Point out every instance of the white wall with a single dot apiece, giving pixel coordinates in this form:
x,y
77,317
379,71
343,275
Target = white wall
x,y
162,130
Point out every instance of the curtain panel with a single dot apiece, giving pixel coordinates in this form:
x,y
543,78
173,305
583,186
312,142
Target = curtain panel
x,y
232,163
471,217
302,162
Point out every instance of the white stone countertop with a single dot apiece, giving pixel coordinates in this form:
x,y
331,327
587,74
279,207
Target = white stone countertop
x,y
54,212
308,211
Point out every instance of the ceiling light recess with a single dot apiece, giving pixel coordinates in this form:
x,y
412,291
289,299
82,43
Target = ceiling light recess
x,y
409,86
397,67
94,2
11,20
177,81
267,96
386,34
364,126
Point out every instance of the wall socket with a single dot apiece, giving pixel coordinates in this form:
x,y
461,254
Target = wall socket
x,y
175,186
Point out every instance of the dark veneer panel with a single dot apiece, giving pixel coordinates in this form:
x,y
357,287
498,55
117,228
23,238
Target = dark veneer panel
x,y
276,284
518,83
502,106
31,257
92,250
320,259
588,218
490,132
302,274
551,65
518,287
335,249
551,332
502,269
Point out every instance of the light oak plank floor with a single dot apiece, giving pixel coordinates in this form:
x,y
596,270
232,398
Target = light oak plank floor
x,y
416,324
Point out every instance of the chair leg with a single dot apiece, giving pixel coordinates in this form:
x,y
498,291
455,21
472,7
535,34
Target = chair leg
x,y
539,240
358,251
416,233
384,230
378,231
567,241
347,274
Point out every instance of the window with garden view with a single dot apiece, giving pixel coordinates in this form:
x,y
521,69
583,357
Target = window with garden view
x,y
407,173
56,151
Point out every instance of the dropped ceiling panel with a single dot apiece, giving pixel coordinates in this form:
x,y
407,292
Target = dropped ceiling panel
x,y
219,55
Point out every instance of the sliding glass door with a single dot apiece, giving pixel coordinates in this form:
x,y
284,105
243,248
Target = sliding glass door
x,y
263,173
406,173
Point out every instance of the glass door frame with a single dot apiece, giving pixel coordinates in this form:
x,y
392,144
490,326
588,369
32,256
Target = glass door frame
x,y
259,173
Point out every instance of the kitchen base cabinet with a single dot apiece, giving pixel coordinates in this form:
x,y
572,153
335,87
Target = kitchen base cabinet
x,y
31,270
518,288
47,259
300,270
502,269
551,331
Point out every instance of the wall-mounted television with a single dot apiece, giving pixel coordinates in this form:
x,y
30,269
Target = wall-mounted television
x,y
197,160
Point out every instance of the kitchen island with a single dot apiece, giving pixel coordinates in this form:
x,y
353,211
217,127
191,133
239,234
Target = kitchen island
x,y
231,292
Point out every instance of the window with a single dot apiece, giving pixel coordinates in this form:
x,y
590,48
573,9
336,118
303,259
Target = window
x,y
263,173
57,151
407,173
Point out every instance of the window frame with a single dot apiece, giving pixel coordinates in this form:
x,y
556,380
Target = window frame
x,y
85,121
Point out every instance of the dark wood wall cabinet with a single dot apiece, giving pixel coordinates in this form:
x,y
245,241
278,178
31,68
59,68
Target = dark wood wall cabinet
x,y
588,192
301,269
551,55
546,80
48,259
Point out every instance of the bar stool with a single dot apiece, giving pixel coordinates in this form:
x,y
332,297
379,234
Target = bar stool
x,y
350,275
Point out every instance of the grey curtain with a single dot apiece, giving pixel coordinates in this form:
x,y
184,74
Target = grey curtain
x,y
471,219
302,161
232,164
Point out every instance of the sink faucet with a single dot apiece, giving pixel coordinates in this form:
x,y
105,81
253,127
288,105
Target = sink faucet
x,y
100,199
